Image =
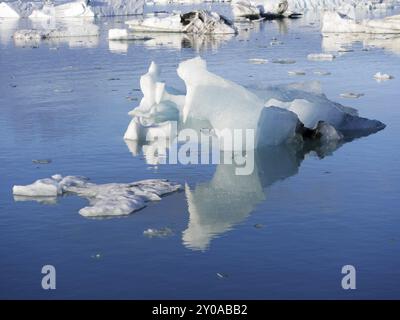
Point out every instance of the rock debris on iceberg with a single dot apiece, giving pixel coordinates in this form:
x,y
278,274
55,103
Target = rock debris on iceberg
x,y
112,199
278,115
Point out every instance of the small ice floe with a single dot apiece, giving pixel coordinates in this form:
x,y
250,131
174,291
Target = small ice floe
x,y
258,226
158,233
334,22
275,42
258,61
124,34
321,57
222,275
321,73
296,73
351,95
382,76
193,22
41,161
278,115
284,61
112,199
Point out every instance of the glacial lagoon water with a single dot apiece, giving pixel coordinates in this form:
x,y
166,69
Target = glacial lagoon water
x,y
283,232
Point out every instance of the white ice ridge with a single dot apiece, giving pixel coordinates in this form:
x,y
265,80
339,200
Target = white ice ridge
x,y
334,22
195,22
111,199
71,9
276,114
303,5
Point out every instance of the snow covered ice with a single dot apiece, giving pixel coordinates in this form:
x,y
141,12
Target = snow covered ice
x,y
112,199
276,114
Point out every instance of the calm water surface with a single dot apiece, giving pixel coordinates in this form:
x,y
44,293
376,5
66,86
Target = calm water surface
x,y
315,212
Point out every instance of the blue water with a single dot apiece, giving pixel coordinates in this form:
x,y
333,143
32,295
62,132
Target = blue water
x,y
283,232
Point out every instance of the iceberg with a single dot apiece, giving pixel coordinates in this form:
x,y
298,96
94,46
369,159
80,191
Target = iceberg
x,y
72,9
256,9
74,28
76,9
111,199
193,22
334,22
18,9
277,115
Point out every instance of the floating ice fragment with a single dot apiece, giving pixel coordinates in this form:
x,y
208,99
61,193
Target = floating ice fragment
x,y
321,73
296,73
41,161
351,95
258,61
382,76
284,61
112,199
321,56
158,233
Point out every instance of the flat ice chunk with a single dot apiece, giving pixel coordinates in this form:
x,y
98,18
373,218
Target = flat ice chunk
x,y
321,56
40,188
112,199
196,22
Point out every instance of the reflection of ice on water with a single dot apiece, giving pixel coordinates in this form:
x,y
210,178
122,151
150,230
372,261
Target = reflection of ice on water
x,y
174,41
228,199
338,42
